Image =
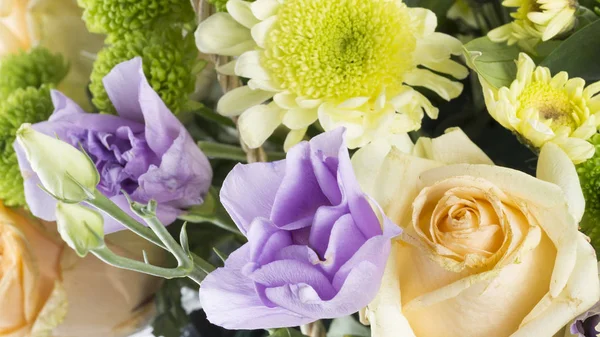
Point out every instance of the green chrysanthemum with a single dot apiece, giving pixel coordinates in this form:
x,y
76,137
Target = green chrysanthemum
x,y
30,105
589,176
117,16
31,69
169,62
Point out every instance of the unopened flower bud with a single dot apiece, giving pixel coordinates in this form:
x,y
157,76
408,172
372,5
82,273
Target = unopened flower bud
x,y
80,227
65,172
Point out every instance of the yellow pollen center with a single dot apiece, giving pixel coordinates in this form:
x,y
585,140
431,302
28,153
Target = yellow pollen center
x,y
340,48
550,104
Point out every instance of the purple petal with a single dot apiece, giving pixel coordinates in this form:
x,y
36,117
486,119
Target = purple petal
x,y
284,272
299,195
344,238
249,191
182,178
266,240
323,222
230,300
122,85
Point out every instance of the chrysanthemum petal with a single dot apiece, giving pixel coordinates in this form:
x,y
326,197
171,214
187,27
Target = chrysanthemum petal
x,y
427,21
299,118
241,12
239,99
258,123
293,137
442,86
263,9
248,65
559,23
221,34
259,31
501,33
579,150
450,67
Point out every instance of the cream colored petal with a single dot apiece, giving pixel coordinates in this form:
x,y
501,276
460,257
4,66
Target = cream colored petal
x,y
546,201
258,123
260,31
239,99
500,34
241,12
293,137
449,67
249,66
263,9
10,42
447,89
221,34
227,68
579,150
285,100
6,7
525,68
385,312
299,118
353,103
402,142
390,177
453,147
425,19
581,292
559,23
556,167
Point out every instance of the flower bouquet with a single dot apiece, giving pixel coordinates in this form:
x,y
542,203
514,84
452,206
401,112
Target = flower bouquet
x,y
318,168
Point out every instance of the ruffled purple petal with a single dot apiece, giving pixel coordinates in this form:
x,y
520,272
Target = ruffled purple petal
x,y
249,191
122,85
230,300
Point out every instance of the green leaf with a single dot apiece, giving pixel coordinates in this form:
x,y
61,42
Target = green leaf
x,y
495,62
211,211
286,332
578,55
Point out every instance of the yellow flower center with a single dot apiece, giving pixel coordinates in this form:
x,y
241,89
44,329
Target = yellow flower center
x,y
550,103
340,48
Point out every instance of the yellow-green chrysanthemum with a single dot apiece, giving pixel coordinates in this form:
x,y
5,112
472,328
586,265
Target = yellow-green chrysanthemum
x,y
542,108
346,63
535,20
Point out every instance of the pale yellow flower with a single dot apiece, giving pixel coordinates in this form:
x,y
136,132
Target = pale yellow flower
x,y
486,250
535,20
541,108
345,63
47,290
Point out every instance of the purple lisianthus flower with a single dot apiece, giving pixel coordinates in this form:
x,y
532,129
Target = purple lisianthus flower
x,y
585,324
316,248
145,151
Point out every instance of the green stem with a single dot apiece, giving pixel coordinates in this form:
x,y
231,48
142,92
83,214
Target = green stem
x,y
183,259
106,205
222,151
215,117
115,260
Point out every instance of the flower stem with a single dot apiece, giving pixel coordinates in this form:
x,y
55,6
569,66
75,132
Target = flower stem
x,y
101,202
115,260
222,151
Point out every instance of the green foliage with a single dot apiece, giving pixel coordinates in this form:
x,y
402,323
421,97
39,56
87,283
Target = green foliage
x,y
30,105
495,62
169,62
220,5
589,177
120,16
31,69
578,55
171,318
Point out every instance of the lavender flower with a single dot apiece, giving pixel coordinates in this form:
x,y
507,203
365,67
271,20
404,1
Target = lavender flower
x,y
144,151
316,249
586,324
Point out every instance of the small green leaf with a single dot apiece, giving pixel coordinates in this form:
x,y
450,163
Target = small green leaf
x,y
578,55
495,62
286,332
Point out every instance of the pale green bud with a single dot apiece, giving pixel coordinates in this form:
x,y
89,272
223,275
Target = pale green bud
x,y
65,172
80,227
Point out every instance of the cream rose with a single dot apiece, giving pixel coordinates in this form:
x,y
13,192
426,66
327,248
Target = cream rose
x,y
46,290
486,250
